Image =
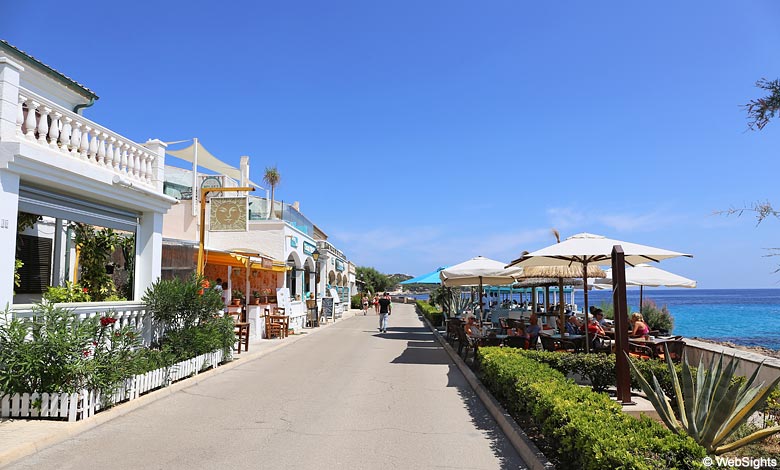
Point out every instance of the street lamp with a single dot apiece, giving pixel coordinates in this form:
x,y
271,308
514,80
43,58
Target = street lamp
x,y
316,255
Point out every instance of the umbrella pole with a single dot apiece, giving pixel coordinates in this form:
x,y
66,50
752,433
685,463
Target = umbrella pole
x,y
585,294
481,303
641,288
560,309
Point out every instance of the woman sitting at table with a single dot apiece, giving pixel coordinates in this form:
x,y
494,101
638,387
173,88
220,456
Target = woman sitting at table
x,y
638,325
472,328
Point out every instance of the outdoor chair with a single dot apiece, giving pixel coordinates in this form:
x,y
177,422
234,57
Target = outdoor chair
x,y
273,328
639,351
553,344
241,329
465,341
603,344
503,322
675,349
453,325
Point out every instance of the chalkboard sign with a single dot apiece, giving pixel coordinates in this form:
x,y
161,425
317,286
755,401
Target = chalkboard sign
x,y
327,307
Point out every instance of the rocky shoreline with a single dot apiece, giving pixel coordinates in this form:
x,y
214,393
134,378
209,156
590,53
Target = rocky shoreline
x,y
754,349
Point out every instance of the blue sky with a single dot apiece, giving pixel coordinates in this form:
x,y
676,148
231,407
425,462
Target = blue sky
x,y
420,134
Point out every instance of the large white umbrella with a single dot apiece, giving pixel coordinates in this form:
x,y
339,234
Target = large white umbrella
x,y
586,248
479,271
646,275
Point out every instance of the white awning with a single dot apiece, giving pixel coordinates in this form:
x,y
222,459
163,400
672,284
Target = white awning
x,y
208,161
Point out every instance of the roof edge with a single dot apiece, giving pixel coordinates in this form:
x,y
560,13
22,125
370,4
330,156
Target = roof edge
x,y
48,70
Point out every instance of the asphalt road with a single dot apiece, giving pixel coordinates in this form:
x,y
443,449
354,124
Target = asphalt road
x,y
345,397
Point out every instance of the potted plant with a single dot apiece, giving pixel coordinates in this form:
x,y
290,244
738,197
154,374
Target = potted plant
x,y
267,293
237,297
255,297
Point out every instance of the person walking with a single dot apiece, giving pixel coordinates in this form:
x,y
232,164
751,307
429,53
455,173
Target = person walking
x,y
376,303
385,308
364,304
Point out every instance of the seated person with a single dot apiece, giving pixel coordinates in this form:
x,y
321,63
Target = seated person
x,y
638,325
594,328
472,328
599,315
573,326
533,327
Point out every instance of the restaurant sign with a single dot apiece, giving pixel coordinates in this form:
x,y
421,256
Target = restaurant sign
x,y
339,265
308,248
293,241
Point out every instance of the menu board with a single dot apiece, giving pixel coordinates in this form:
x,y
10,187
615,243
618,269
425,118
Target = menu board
x,y
327,307
283,299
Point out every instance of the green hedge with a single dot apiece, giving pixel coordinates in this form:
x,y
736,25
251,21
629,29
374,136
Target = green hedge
x,y
355,301
586,430
434,315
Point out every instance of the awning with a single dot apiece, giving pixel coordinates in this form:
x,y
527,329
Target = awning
x,y
239,259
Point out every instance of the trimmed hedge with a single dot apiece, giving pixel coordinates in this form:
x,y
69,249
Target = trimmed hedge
x,y
586,429
434,315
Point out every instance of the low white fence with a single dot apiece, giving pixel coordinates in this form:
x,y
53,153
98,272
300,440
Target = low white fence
x,y
131,313
84,404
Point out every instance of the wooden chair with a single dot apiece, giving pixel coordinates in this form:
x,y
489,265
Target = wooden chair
x,y
273,329
453,325
465,341
242,331
603,344
675,349
640,351
285,322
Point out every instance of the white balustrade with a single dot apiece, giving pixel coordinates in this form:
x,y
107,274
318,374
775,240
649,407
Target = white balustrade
x,y
44,122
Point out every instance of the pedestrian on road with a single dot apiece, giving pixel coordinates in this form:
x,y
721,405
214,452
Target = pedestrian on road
x,y
364,302
376,303
385,308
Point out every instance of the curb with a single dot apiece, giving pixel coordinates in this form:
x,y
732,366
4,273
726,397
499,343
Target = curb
x,y
531,454
16,452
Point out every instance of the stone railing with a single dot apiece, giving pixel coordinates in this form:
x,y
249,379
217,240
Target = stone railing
x,y
73,136
125,312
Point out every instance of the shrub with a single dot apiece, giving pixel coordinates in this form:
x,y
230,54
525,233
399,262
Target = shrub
x,y
216,333
657,318
54,351
68,293
355,301
178,304
430,312
584,429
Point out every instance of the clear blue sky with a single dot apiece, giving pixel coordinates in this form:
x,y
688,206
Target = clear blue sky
x,y
422,133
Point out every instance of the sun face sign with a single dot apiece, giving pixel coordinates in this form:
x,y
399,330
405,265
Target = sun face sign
x,y
228,214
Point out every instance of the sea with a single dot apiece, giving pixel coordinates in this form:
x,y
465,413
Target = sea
x,y
749,317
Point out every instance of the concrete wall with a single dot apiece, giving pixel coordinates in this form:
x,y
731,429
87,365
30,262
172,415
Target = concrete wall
x,y
748,361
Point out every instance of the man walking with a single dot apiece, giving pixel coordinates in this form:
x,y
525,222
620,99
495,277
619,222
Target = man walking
x,y
384,312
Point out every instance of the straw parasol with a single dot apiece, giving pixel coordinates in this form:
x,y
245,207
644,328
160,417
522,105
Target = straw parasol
x,y
558,274
478,271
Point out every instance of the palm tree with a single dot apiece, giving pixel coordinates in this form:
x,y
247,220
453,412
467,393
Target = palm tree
x,y
272,178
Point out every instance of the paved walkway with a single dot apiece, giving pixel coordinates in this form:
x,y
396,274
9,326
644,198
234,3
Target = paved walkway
x,y
343,396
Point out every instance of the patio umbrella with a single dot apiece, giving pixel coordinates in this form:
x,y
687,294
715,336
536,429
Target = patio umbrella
x,y
478,271
584,249
430,278
646,275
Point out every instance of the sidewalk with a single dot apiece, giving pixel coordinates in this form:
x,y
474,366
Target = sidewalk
x,y
20,438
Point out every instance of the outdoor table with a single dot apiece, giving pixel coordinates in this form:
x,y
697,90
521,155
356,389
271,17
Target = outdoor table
x,y
653,342
577,340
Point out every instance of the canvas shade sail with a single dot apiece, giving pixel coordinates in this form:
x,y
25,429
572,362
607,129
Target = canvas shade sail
x,y
208,161
478,271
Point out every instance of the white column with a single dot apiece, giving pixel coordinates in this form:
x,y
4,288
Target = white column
x,y
9,205
148,252
157,168
58,268
9,97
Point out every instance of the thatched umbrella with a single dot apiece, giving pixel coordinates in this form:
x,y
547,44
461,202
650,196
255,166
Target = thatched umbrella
x,y
557,274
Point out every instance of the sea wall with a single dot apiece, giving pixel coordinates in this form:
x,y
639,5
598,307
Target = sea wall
x,y
749,361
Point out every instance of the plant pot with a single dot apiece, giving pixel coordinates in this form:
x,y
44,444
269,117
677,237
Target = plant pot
x,y
256,301
235,302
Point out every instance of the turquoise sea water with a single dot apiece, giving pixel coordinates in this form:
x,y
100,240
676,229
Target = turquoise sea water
x,y
749,317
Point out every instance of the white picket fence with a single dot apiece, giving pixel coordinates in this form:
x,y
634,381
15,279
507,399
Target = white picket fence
x,y
84,404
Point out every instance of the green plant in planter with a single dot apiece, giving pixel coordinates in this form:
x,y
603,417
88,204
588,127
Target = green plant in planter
x,y
95,249
711,407
68,293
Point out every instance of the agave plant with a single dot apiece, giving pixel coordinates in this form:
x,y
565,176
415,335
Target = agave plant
x,y
454,303
713,406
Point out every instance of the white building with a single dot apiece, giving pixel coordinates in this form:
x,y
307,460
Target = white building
x,y
56,163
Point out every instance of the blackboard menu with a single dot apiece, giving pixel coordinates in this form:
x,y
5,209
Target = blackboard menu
x,y
327,307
